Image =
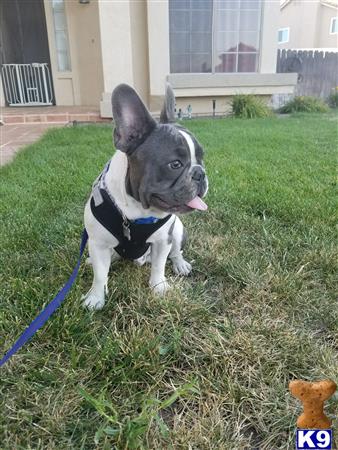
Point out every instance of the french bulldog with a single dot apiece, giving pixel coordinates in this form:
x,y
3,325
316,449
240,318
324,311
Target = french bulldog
x,y
156,173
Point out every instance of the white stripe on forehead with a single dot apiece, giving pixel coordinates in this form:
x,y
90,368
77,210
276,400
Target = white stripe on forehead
x,y
191,146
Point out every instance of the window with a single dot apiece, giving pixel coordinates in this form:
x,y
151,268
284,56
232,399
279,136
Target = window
x,y
214,35
61,35
283,35
334,25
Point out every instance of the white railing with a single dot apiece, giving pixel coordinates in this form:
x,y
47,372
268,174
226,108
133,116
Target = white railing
x,y
27,84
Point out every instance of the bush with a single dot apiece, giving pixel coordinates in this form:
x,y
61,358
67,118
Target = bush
x,y
333,98
249,107
304,104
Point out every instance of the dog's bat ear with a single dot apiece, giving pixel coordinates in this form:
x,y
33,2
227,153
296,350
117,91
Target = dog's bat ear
x,y
168,110
133,122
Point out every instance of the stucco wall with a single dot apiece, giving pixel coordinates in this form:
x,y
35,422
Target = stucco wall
x,y
301,18
86,35
124,40
139,43
115,43
324,39
158,42
309,23
269,30
83,84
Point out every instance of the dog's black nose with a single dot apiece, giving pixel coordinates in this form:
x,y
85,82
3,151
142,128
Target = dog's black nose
x,y
198,173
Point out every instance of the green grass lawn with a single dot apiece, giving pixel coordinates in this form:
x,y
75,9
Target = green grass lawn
x,y
207,366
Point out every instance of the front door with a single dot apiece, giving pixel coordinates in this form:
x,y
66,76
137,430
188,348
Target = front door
x,y
24,53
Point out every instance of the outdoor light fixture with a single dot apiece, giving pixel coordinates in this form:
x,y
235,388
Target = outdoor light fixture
x,y
84,2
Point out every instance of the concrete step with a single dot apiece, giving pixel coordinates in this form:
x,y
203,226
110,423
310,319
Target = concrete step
x,y
50,118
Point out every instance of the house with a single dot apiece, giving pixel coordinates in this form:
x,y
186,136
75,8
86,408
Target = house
x,y
208,50
308,24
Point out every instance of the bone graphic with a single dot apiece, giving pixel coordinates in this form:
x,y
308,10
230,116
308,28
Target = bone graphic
x,y
313,395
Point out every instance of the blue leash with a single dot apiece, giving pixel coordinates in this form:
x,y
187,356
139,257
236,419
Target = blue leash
x,y
45,314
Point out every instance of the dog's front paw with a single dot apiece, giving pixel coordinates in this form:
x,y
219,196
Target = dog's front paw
x,y
181,267
93,301
160,288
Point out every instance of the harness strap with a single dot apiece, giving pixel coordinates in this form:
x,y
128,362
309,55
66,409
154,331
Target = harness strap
x,y
45,314
131,246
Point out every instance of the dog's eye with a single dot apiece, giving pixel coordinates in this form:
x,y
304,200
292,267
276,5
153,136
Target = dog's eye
x,y
175,164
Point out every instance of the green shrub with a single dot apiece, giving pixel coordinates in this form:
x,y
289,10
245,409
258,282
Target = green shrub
x,y
333,98
304,104
249,107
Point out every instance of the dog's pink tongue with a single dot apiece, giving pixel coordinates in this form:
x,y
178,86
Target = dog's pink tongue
x,y
197,203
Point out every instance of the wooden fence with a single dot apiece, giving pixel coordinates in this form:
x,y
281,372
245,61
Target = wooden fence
x,y
317,70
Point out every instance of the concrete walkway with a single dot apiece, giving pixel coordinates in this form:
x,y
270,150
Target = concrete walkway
x,y
23,126
14,137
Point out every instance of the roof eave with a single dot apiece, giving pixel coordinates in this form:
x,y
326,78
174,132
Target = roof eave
x,y
284,3
330,4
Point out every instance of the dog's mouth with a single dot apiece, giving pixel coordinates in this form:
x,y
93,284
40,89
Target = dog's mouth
x,y
195,203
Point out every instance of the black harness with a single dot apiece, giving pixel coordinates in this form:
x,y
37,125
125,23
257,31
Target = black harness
x,y
132,235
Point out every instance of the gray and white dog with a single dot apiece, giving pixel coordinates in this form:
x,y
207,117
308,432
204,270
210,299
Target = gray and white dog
x,y
156,173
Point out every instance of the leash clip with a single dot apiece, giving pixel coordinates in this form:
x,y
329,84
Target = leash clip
x,y
126,230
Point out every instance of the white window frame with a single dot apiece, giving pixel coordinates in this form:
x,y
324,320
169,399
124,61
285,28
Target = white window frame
x,y
258,53
60,7
334,20
287,29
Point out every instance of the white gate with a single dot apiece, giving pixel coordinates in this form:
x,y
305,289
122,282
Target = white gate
x,y
27,84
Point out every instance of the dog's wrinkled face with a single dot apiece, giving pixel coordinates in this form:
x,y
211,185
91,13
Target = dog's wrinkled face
x,y
165,161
